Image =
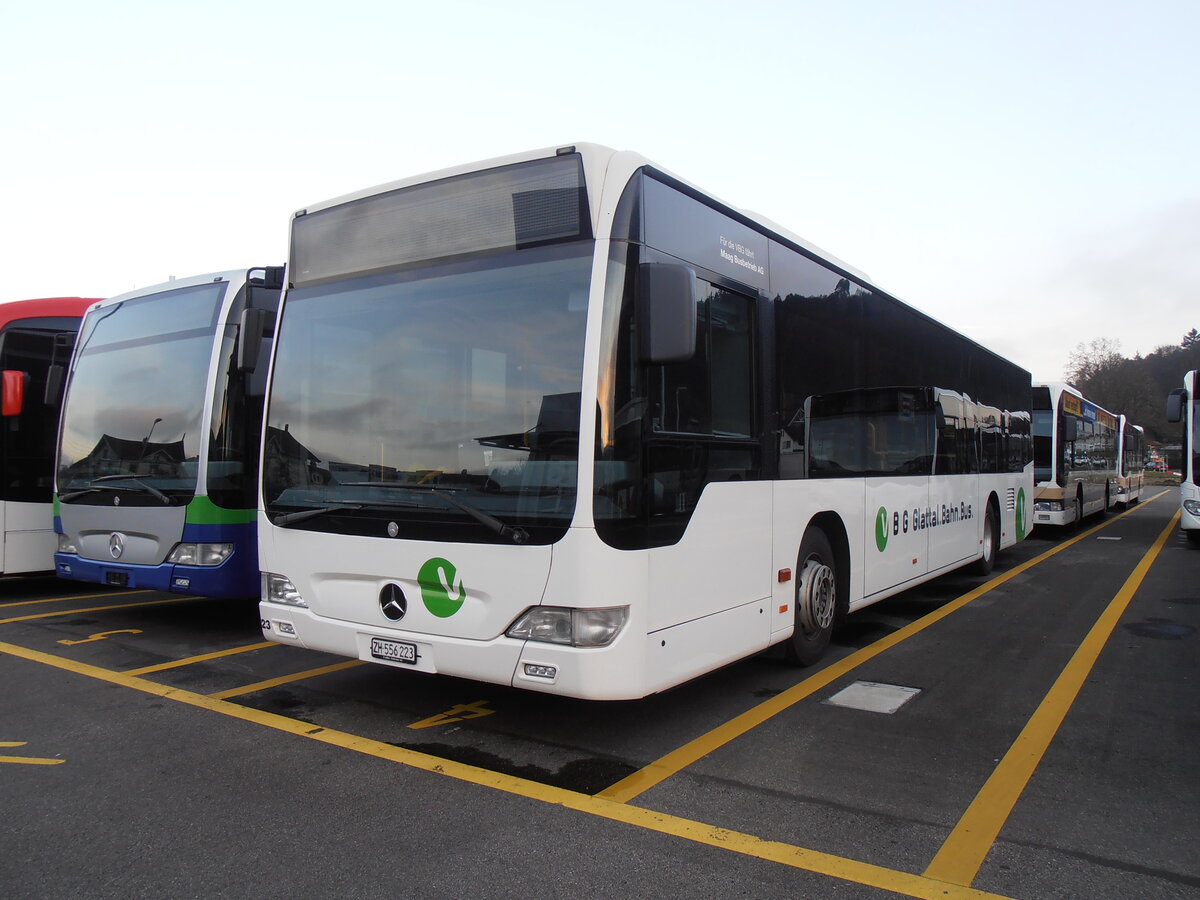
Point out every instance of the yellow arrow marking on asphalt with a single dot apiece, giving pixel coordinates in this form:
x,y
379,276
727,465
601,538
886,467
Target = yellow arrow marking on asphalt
x,y
474,710
99,636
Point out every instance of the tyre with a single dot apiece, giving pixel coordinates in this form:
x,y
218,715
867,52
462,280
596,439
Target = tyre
x,y
1193,536
816,600
1078,512
991,542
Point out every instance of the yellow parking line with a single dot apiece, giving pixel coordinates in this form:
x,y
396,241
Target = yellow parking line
x,y
204,657
960,857
801,858
285,679
70,599
661,769
69,612
31,760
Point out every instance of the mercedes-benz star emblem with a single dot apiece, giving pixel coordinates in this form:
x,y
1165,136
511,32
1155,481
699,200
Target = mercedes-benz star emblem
x,y
393,602
116,545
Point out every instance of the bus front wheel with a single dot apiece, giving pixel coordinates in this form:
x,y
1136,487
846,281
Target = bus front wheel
x,y
815,601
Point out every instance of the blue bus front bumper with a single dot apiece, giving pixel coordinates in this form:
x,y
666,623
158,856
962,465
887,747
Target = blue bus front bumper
x,y
237,576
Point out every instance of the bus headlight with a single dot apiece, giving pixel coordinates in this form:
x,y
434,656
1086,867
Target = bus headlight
x,y
200,554
66,544
573,627
277,589
1048,506
1192,506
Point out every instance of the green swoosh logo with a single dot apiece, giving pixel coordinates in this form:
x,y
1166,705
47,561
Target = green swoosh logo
x,y
881,529
1021,526
435,578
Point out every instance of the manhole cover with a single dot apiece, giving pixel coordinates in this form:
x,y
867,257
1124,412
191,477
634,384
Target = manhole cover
x,y
873,697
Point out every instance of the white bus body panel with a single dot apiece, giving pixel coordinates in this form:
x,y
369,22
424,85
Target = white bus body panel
x,y
674,605
28,530
713,598
730,536
1188,491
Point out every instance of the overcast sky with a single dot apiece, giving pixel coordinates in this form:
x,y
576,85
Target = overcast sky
x,y
1027,172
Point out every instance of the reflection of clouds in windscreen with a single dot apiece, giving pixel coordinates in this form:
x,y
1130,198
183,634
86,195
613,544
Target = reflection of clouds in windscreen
x,y
120,394
395,431
410,375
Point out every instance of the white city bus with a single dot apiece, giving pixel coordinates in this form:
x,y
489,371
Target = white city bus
x,y
36,337
1131,462
1075,444
1183,406
563,421
157,474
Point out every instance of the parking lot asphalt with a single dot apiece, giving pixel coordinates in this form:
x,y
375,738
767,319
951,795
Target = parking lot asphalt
x,y
1042,746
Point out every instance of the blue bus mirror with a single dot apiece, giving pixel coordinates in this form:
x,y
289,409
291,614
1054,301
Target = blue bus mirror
x,y
54,384
251,328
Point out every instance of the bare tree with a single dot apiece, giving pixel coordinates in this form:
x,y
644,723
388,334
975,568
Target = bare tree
x,y
1088,360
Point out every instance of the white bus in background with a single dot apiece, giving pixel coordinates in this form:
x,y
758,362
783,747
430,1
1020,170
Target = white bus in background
x,y
564,421
1183,406
1075,455
1131,462
36,337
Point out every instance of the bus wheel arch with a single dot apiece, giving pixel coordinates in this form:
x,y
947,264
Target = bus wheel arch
x,y
822,589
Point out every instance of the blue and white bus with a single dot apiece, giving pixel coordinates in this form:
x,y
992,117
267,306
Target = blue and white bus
x,y
159,436
1183,406
564,421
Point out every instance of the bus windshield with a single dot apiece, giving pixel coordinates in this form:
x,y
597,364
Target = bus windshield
x,y
125,426
459,379
1193,442
1043,445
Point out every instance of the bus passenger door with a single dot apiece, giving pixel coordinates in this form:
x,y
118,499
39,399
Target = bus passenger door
x,y
955,523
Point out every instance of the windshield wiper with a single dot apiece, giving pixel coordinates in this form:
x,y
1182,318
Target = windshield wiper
x,y
301,514
142,487
335,506
514,533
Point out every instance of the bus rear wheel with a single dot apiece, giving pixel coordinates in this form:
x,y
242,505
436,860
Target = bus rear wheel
x,y
815,601
991,542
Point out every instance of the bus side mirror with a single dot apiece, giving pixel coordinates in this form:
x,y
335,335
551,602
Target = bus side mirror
x,y
666,313
1175,405
1070,429
13,400
54,383
251,328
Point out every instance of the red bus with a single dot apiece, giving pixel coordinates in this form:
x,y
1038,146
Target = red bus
x,y
36,339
